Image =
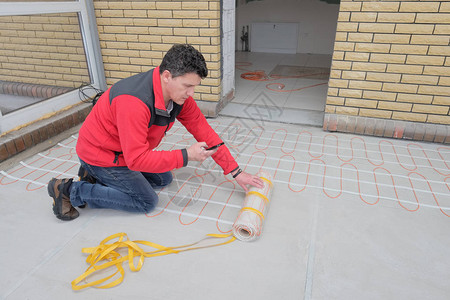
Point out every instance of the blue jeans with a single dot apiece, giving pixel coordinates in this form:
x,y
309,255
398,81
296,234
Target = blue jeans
x,y
119,188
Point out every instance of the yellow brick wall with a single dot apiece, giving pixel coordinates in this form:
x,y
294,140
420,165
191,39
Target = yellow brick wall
x,y
392,61
42,49
134,36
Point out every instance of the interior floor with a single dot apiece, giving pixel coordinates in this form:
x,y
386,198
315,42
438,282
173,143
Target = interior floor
x,y
350,217
288,88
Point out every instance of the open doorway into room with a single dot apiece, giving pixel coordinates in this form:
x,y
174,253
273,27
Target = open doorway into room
x,y
283,51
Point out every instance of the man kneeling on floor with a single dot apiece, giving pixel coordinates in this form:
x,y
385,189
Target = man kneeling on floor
x,y
119,168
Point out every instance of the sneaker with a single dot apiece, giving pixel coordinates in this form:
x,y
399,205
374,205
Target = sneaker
x,y
58,189
85,176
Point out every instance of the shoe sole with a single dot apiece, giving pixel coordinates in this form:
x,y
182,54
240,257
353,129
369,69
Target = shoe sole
x,y
52,194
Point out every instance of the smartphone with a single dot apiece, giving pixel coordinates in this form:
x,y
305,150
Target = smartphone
x,y
214,147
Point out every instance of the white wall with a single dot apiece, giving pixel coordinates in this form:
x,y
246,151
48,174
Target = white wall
x,y
317,21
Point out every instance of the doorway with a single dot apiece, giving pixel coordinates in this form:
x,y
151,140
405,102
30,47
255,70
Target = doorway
x,y
283,51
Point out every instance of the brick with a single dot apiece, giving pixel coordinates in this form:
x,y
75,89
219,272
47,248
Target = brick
x,y
332,91
445,120
335,100
380,6
343,16
430,109
185,14
429,40
361,103
330,109
159,14
363,17
199,40
379,95
195,5
409,49
404,69
389,128
168,5
419,7
419,132
360,125
172,22
443,18
391,38
4,155
375,27
425,60
209,32
414,28
434,90
350,6
390,105
444,81
341,65
353,93
439,50
441,100
379,127
347,110
144,5
372,47
335,74
414,98
419,79
375,113
338,83
406,116
359,37
365,85
431,70
338,55
213,14
35,135
441,29
387,58
195,23
11,147
342,123
362,66
351,124
174,39
347,27
344,46
369,127
399,87
28,140
396,17
186,31
441,134
430,132
353,75
383,77
357,56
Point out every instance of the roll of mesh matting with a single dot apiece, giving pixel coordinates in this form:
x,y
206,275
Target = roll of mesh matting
x,y
249,223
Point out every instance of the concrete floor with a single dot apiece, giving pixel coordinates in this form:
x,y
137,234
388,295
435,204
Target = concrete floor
x,y
351,217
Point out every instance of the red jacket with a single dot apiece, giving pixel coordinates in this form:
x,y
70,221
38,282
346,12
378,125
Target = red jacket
x,y
117,131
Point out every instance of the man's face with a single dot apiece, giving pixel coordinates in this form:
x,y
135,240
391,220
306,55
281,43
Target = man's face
x,y
182,87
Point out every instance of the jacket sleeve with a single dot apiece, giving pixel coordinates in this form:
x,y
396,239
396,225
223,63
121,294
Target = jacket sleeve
x,y
133,117
195,122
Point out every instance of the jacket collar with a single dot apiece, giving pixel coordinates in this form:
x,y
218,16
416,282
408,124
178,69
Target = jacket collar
x,y
160,106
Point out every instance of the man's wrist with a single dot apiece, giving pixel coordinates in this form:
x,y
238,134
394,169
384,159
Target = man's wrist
x,y
239,171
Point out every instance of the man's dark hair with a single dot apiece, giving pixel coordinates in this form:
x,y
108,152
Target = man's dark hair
x,y
182,59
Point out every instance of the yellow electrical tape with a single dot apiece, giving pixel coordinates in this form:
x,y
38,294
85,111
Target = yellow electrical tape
x,y
267,180
109,252
259,195
260,214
